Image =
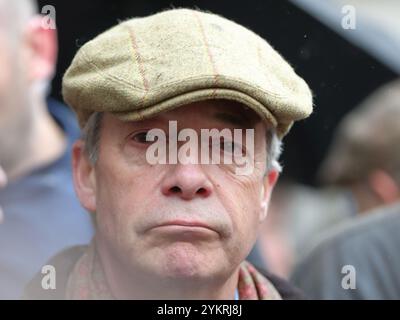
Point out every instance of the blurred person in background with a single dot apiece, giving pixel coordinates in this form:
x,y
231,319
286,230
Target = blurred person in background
x,y
359,173
365,159
40,212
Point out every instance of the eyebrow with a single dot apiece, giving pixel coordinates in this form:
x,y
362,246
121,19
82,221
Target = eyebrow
x,y
241,120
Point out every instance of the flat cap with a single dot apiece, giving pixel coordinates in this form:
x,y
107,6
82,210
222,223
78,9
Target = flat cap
x,y
144,66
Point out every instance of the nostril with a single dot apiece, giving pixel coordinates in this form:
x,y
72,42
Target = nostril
x,y
202,191
175,189
186,192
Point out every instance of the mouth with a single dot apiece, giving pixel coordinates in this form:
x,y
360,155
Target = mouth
x,y
185,226
186,223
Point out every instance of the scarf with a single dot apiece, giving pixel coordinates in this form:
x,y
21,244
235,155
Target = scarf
x,y
88,282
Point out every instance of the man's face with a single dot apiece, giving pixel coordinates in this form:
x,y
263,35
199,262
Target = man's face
x,y
176,220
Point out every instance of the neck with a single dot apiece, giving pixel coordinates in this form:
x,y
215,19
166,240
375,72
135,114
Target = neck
x,y
44,144
133,284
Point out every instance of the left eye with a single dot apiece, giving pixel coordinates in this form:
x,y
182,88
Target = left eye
x,y
230,146
141,137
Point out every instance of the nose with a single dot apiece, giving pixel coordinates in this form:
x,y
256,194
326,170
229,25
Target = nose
x,y
186,181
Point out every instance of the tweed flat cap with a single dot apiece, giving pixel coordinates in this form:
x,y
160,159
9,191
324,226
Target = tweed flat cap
x,y
148,65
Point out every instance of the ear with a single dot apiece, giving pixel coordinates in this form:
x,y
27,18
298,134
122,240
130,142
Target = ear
x,y
384,186
3,178
269,182
41,43
84,177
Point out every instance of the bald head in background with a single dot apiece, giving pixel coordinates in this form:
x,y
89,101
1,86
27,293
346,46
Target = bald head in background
x,y
12,17
27,62
40,213
18,11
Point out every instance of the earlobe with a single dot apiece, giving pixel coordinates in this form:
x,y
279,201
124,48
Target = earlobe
x,y
83,177
264,204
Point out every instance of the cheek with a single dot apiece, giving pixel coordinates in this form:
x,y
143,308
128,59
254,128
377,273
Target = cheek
x,y
241,198
122,192
248,216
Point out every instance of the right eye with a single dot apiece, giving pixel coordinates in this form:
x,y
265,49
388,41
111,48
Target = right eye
x,y
141,137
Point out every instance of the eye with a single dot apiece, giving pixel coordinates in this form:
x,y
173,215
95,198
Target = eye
x,y
230,146
141,137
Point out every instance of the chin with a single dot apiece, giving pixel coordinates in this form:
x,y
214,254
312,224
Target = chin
x,y
184,261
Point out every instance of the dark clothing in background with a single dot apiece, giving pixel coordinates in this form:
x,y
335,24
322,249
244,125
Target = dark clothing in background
x,y
41,215
371,244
